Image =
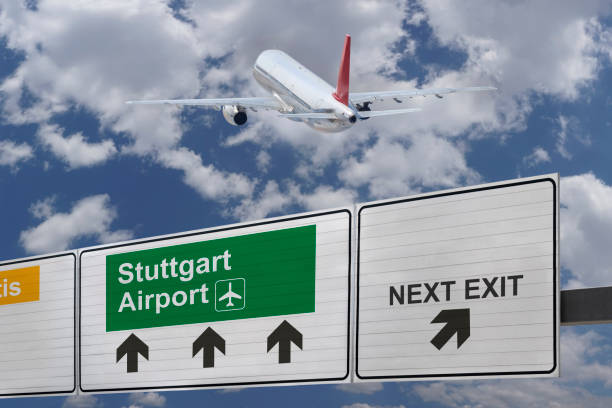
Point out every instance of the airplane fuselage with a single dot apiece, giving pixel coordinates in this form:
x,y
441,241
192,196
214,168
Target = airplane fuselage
x,y
299,90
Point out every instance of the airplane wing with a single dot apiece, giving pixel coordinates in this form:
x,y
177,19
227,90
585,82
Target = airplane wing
x,y
398,96
224,296
263,102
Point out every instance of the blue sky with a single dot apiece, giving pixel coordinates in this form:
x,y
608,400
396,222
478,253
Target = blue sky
x,y
78,167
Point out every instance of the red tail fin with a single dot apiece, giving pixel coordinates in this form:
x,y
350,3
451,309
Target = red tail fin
x,y
342,89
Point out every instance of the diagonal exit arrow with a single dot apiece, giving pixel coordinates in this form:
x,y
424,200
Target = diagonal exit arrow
x,y
457,321
207,342
132,346
284,335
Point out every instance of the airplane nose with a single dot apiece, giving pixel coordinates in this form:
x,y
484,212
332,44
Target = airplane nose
x,y
352,118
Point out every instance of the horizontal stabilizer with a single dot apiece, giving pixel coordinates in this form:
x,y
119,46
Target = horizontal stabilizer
x,y
360,97
305,116
371,114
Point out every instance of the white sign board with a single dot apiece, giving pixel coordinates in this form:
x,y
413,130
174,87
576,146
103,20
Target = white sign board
x,y
253,304
37,344
462,283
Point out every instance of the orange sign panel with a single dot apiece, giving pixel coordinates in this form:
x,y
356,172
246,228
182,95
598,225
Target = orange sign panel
x,y
20,285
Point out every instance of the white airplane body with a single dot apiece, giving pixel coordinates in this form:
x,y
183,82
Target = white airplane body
x,y
300,95
302,92
230,295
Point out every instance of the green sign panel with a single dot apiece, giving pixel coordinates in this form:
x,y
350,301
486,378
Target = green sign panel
x,y
256,275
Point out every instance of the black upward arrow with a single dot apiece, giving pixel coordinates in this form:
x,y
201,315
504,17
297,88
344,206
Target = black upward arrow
x,y
207,342
457,321
284,335
132,346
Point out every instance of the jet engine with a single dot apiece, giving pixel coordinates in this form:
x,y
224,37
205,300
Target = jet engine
x,y
234,115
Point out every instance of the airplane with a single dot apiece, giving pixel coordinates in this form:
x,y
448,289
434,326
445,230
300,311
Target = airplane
x,y
300,95
230,295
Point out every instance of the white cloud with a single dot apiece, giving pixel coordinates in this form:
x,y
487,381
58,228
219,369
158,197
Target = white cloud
x,y
263,159
570,129
274,199
375,29
89,217
81,401
43,209
74,150
512,393
206,179
96,55
411,152
606,41
361,388
270,200
324,197
12,153
374,26
555,54
495,55
314,151
148,399
577,354
562,137
538,156
580,356
390,168
131,61
586,222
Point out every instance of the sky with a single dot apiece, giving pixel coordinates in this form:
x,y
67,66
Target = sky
x,y
78,167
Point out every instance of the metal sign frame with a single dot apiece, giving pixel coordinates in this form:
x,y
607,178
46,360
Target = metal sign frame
x,y
569,307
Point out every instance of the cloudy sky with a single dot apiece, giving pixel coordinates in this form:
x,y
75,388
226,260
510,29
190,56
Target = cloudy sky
x,y
78,167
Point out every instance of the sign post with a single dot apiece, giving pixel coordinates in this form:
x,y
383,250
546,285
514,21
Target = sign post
x,y
462,283
264,303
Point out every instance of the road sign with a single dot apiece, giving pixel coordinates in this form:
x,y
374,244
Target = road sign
x,y
37,345
461,283
261,303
